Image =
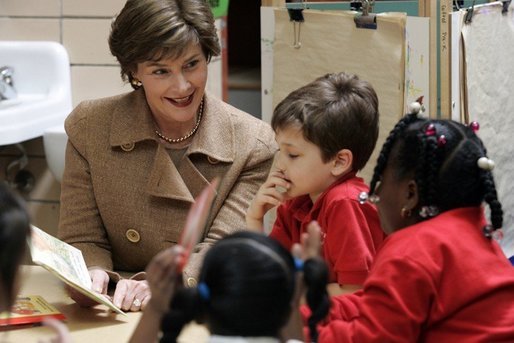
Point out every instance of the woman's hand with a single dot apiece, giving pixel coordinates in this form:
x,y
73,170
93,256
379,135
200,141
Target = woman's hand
x,y
99,281
131,295
271,193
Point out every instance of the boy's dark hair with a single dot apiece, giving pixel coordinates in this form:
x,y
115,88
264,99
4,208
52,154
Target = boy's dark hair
x,y
442,157
14,231
251,281
335,111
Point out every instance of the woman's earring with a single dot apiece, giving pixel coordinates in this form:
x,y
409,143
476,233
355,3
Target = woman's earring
x,y
135,82
406,213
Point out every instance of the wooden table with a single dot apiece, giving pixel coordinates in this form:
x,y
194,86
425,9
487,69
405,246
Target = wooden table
x,y
86,325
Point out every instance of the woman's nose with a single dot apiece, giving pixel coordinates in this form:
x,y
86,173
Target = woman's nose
x,y
181,83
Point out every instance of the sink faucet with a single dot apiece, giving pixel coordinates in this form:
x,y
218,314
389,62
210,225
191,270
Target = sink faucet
x,y
7,90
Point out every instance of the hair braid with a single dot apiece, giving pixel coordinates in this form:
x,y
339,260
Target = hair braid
x,y
386,149
432,171
315,274
185,307
491,197
421,169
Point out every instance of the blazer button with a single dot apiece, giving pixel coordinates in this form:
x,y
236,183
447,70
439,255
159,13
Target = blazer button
x,y
191,282
212,160
128,146
132,235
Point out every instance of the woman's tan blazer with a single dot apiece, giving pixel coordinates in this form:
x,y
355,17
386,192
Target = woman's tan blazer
x,y
123,199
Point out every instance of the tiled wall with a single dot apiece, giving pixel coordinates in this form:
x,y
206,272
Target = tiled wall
x,y
83,28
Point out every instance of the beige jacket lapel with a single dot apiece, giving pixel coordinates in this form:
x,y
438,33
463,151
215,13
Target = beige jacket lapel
x,y
215,137
133,123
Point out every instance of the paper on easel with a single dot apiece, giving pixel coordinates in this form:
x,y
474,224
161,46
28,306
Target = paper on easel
x,y
489,47
67,263
417,60
330,43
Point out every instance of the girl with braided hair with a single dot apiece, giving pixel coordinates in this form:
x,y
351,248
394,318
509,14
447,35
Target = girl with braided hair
x,y
440,276
246,292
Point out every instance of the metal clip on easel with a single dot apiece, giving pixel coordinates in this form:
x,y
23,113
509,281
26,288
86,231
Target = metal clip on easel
x,y
505,4
296,16
366,20
469,13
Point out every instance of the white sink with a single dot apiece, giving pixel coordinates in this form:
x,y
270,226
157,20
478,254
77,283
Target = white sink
x,y
54,143
42,81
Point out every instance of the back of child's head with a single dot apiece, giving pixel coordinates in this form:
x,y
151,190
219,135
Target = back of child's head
x,y
14,231
442,156
335,111
246,287
251,280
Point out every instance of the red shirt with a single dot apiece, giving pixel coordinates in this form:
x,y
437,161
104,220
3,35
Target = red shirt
x,y
351,231
440,280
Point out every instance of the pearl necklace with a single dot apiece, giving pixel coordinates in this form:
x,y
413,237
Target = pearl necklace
x,y
192,132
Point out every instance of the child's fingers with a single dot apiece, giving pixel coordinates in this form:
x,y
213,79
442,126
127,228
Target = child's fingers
x,y
279,181
276,179
165,263
271,199
276,173
297,251
63,335
311,241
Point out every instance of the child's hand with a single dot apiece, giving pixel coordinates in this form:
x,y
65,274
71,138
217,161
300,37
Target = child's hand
x,y
270,194
308,248
310,244
63,335
163,278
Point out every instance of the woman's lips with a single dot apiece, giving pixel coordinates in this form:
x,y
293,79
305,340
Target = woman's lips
x,y
182,102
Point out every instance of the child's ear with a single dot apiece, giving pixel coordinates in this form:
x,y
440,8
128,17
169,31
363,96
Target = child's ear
x,y
412,195
342,162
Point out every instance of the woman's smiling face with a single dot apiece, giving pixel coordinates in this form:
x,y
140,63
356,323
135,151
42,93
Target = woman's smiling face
x,y
175,87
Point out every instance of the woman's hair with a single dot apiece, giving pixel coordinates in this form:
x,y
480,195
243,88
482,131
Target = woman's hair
x,y
336,111
442,157
14,231
149,30
250,282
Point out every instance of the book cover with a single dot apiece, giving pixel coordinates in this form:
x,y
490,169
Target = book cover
x,y
67,263
30,309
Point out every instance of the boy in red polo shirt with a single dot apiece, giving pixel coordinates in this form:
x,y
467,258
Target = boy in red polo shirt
x,y
326,132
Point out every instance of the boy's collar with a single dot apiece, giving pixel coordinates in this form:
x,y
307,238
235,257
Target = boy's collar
x,y
350,174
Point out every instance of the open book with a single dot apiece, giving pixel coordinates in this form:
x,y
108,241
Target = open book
x,y
29,310
65,262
